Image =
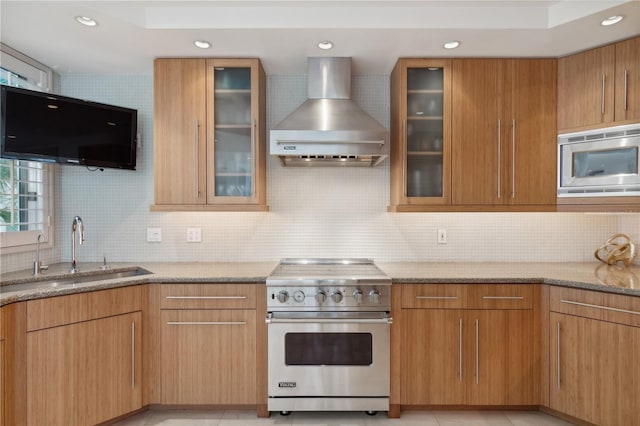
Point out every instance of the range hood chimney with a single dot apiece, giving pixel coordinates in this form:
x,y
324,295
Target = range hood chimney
x,y
329,129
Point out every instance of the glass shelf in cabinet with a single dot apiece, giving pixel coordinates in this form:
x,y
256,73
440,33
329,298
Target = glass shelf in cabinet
x,y
424,153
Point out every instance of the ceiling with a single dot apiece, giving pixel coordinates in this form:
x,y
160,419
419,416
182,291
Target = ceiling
x,y
284,33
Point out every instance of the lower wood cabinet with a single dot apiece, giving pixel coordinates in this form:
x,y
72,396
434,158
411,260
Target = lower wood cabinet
x,y
1,382
209,344
594,347
208,357
84,373
466,356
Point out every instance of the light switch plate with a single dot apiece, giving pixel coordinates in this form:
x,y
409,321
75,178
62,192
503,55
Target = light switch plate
x,y
194,235
154,235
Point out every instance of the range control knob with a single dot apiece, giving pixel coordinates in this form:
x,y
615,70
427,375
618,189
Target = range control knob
x,y
321,297
283,296
374,296
298,296
336,296
357,296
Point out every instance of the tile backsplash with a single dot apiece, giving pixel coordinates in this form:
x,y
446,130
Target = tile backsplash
x,y
314,212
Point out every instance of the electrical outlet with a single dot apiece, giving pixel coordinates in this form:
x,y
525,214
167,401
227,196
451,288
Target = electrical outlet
x,y
194,235
442,236
154,235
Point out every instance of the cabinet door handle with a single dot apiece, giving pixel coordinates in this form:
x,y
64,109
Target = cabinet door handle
x,y
558,353
254,159
513,159
133,355
606,308
197,154
206,323
626,75
499,157
206,297
437,297
460,351
405,159
477,354
602,95
503,297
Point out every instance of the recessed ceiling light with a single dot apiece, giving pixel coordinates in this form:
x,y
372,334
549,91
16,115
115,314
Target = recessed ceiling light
x,y
86,20
325,45
451,44
202,44
611,20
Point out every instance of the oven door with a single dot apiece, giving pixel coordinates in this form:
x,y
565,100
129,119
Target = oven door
x,y
328,354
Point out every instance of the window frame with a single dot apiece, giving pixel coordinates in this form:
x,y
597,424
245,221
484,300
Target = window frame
x,y
42,76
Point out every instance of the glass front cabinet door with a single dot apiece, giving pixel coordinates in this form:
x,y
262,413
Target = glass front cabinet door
x,y
420,134
236,130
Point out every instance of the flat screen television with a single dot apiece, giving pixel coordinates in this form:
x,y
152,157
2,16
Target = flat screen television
x,y
43,127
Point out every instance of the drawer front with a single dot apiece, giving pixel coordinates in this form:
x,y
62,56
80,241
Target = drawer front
x,y
434,296
616,308
208,296
500,296
61,310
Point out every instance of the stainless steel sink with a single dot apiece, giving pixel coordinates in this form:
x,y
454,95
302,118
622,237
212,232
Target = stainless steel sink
x,y
76,279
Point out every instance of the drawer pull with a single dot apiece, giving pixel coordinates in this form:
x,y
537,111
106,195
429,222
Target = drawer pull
x,y
503,297
437,297
206,323
206,297
606,308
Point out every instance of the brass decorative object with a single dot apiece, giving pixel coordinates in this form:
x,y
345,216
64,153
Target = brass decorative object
x,y
618,248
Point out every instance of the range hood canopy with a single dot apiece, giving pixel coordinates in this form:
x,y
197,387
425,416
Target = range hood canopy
x,y
329,129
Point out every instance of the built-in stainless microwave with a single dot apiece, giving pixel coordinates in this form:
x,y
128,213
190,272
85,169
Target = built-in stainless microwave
x,y
600,163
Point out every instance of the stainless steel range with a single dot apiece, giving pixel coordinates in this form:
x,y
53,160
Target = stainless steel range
x,y
328,329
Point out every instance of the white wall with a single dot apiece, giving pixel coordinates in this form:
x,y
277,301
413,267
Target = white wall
x,y
315,212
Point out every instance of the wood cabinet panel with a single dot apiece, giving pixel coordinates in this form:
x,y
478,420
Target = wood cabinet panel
x,y
627,80
586,88
179,131
500,296
55,311
420,152
198,116
530,136
84,373
2,382
597,305
433,296
208,296
478,149
432,357
503,136
208,357
594,370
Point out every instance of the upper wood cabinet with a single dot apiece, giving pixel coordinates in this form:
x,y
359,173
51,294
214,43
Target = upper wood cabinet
x,y
421,132
503,134
599,87
209,134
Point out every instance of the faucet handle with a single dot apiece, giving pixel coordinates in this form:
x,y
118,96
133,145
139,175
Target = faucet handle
x,y
104,263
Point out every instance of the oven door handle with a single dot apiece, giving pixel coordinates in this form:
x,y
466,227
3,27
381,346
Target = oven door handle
x,y
270,320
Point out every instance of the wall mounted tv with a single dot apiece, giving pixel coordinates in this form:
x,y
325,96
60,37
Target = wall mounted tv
x,y
43,127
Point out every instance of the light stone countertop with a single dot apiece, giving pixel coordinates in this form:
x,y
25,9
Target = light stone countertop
x,y
588,275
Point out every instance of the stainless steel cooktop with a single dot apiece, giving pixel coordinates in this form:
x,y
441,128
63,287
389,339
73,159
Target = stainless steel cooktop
x,y
328,285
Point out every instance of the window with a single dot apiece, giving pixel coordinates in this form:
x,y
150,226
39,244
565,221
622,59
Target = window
x,y
26,190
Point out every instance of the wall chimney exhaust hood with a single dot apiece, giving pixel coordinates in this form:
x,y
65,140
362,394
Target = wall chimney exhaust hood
x,y
329,129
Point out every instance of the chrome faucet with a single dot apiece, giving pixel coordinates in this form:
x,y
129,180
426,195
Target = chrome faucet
x,y
77,223
37,265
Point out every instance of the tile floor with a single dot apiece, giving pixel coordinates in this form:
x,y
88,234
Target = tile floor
x,y
158,417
